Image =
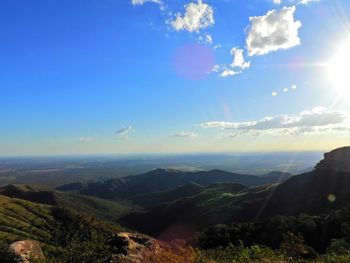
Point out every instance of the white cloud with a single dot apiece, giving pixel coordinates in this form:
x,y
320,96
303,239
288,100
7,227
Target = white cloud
x,y
207,39
228,72
141,2
184,134
274,31
85,139
197,16
217,68
236,67
306,2
320,116
318,119
217,46
124,132
238,59
299,2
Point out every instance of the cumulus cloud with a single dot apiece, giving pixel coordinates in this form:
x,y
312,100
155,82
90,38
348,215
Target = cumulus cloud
x,y
274,31
124,132
141,2
238,59
197,16
184,134
236,67
316,120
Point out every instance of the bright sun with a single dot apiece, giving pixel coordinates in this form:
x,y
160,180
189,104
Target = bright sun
x,y
339,70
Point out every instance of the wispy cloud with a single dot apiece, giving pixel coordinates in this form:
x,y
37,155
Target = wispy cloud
x,y
185,134
224,71
124,132
141,2
299,2
206,39
227,73
318,119
85,139
306,2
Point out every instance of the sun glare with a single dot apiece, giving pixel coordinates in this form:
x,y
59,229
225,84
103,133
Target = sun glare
x,y
339,70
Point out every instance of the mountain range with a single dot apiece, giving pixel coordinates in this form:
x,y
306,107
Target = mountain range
x,y
165,179
315,192
171,204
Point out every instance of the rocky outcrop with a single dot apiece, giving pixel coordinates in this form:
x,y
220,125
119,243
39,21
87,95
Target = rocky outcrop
x,y
27,251
133,247
337,160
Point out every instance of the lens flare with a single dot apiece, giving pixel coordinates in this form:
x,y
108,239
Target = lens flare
x,y
193,61
331,198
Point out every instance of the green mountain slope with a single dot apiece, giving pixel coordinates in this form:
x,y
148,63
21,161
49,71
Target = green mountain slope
x,y
22,219
213,204
152,199
100,208
162,180
65,235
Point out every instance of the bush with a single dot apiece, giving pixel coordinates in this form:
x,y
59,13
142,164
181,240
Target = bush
x,y
239,254
176,252
339,247
7,256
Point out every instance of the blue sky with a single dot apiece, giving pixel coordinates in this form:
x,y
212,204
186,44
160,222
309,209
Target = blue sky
x,y
136,76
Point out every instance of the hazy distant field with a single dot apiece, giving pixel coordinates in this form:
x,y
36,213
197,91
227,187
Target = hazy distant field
x,y
62,170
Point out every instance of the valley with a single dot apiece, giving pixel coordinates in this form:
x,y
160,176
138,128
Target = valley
x,y
209,210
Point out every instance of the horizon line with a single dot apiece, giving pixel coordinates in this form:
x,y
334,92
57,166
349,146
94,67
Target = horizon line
x,y
143,154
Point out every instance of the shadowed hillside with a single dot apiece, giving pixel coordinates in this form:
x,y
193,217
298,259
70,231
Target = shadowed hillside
x,y
315,192
164,179
152,199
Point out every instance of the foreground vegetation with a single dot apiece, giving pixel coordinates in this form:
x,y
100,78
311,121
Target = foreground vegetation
x,y
75,240
65,235
70,235
96,250
292,250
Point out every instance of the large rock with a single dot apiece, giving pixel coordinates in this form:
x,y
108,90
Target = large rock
x,y
27,250
337,160
133,247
